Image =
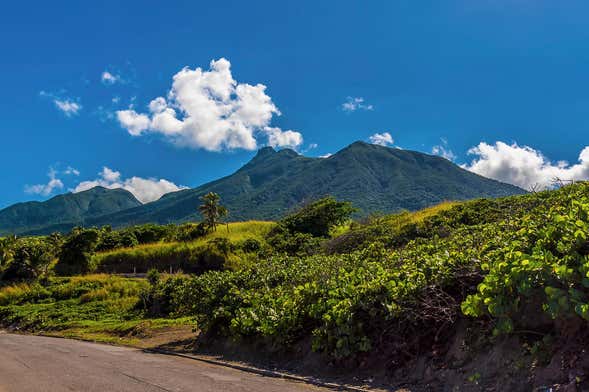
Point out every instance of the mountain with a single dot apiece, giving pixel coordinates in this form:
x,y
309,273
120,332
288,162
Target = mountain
x,y
372,177
63,212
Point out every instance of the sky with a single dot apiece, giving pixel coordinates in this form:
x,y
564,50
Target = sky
x,y
154,96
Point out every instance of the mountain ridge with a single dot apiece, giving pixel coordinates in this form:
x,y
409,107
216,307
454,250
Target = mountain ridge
x,y
374,178
67,210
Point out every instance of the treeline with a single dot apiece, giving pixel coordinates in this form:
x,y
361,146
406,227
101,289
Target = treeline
x,y
71,254
175,247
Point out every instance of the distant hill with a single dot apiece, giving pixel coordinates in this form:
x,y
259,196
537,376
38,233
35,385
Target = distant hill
x,y
372,177
62,212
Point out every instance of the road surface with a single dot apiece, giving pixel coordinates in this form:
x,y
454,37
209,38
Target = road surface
x,y
36,363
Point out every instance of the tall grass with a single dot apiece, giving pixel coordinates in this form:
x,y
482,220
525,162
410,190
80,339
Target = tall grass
x,y
87,288
195,256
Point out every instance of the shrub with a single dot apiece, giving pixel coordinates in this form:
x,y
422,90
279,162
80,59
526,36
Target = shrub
x,y
318,218
76,253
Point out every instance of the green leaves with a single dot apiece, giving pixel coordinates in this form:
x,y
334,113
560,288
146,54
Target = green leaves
x,y
543,259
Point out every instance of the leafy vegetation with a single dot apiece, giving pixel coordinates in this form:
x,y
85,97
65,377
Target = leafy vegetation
x,y
211,210
488,258
393,285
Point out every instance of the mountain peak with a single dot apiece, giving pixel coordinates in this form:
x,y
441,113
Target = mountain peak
x,y
265,151
359,143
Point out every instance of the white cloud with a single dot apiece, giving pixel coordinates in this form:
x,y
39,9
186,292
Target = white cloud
x,y
67,106
524,166
280,138
355,103
109,78
326,155
134,122
382,139
144,189
46,189
208,109
71,170
443,150
54,182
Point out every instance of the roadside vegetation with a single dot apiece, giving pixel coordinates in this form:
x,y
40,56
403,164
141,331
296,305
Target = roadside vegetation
x,y
392,287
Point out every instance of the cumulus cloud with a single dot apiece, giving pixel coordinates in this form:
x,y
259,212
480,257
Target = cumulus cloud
x,y
355,103
144,189
524,166
382,139
109,78
280,138
208,109
443,150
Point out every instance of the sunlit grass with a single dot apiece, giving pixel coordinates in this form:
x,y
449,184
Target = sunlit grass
x,y
172,253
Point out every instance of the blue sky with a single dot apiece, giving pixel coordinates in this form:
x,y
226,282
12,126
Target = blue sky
x,y
437,76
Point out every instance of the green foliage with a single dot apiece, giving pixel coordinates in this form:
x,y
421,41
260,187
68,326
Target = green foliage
x,y
391,282
490,259
209,251
318,217
299,233
544,260
76,253
31,258
211,210
6,250
61,303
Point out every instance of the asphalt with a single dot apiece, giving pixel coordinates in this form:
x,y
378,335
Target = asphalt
x,y
37,363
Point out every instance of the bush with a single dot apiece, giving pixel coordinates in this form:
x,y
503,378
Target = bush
x,y
76,253
318,218
31,258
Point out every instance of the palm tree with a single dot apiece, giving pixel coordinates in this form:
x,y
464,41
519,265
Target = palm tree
x,y
211,210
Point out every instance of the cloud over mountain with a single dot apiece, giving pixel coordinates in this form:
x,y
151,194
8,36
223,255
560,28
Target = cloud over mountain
x,y
524,166
144,189
208,109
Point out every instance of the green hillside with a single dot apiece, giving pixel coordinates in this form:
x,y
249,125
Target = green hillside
x,y
62,212
372,177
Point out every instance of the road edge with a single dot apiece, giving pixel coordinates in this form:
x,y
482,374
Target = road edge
x,y
217,362
262,372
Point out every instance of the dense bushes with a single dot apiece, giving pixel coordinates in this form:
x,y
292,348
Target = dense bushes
x,y
546,259
521,252
301,232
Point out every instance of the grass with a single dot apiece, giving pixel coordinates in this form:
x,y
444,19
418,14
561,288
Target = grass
x,y
185,256
92,307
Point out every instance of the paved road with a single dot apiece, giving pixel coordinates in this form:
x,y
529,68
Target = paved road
x,y
36,363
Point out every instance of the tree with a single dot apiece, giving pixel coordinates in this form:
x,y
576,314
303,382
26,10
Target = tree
x,y
319,217
31,258
76,252
7,245
211,210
